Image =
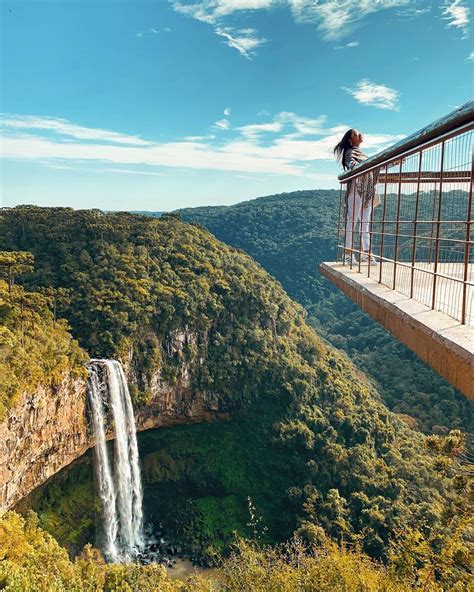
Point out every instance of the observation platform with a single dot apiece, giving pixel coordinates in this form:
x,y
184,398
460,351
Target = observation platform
x,y
440,340
420,232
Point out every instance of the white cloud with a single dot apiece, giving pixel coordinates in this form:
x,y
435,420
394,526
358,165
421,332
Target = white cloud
x,y
412,12
303,125
245,41
337,18
321,177
66,128
470,57
257,178
334,18
61,167
300,126
457,15
198,138
227,111
350,44
374,95
255,130
222,124
131,172
171,154
287,144
211,11
150,31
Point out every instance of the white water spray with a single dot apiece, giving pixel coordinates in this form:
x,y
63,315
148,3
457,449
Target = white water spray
x,y
104,479
121,495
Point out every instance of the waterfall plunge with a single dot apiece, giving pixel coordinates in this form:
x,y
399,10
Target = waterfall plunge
x,y
118,482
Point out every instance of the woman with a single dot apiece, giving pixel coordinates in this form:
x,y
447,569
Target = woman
x,y
360,196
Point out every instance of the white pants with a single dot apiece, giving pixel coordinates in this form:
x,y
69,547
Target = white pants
x,y
357,212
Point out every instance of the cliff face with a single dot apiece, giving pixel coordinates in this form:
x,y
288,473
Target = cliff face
x,y
176,403
48,429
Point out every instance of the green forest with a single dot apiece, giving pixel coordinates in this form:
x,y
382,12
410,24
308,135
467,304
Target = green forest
x,y
314,483
289,235
37,349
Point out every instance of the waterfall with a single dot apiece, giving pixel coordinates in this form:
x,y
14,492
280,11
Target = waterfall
x,y
118,480
104,479
127,467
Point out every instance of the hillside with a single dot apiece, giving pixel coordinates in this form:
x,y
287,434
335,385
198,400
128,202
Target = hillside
x,y
35,348
32,561
308,440
289,235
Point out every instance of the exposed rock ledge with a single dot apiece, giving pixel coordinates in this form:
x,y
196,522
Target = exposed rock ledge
x,y
48,430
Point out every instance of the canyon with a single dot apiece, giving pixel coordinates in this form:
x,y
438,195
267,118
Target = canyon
x,y
49,429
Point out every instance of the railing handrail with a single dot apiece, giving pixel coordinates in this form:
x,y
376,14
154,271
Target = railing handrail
x,y
454,121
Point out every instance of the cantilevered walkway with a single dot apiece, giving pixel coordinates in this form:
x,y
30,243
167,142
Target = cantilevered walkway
x,y
421,286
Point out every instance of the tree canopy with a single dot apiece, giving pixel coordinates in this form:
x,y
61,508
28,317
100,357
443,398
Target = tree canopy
x,y
289,234
309,440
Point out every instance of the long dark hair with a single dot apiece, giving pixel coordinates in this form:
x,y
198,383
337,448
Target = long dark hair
x,y
343,146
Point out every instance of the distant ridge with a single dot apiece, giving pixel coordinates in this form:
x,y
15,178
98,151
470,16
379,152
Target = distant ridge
x,y
147,213
289,234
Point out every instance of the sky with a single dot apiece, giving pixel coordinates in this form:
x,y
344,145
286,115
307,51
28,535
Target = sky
x,y
162,104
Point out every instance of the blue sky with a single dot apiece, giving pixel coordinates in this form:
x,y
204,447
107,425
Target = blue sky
x,y
156,105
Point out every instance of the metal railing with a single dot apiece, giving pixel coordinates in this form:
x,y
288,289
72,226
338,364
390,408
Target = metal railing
x,y
421,235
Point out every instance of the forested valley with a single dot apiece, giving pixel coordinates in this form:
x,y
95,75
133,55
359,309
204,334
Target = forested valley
x,y
289,235
333,470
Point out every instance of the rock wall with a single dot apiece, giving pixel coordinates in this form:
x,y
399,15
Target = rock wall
x,y
48,430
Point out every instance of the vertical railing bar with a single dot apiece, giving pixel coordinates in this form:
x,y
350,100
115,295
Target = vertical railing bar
x,y
370,231
467,247
353,190
432,222
339,226
397,226
433,300
415,227
383,222
361,197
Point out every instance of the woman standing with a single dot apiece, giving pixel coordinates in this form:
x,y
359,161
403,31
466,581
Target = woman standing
x,y
360,195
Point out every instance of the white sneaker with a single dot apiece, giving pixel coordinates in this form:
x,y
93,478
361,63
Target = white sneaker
x,y
370,260
350,258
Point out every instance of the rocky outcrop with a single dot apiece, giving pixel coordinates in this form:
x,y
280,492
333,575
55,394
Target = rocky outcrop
x,y
179,402
48,430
